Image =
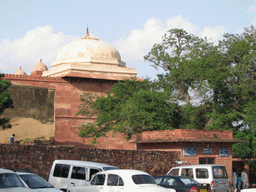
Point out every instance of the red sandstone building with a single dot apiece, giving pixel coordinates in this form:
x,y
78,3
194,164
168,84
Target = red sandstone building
x,y
89,65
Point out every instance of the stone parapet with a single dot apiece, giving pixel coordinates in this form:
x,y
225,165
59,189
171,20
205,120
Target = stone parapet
x,y
185,133
206,134
32,78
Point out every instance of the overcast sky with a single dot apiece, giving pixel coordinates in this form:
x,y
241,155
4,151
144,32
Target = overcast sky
x,y
31,30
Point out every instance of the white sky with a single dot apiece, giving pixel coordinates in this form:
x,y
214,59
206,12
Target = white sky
x,y
31,30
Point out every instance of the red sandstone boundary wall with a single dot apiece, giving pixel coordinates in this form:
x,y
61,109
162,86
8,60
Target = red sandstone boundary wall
x,y
38,159
185,133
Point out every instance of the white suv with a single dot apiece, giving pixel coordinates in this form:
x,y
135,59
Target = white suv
x,y
70,173
214,175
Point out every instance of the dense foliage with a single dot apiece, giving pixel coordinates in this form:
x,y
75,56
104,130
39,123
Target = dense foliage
x,y
130,107
5,99
247,149
204,86
221,75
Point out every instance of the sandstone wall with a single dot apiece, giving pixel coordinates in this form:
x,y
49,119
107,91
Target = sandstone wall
x,y
66,92
31,102
38,159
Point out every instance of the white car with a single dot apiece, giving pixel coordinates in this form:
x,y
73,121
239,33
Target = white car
x,y
121,180
11,182
34,181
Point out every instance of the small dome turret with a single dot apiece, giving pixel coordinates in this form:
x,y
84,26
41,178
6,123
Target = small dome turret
x,y
40,66
20,72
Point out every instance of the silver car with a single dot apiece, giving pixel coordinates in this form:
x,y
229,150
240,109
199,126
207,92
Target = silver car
x,y
34,181
212,174
11,182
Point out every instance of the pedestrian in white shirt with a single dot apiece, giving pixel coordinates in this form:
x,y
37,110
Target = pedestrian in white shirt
x,y
245,180
234,179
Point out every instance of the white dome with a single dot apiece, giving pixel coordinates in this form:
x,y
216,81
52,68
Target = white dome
x,y
88,49
88,55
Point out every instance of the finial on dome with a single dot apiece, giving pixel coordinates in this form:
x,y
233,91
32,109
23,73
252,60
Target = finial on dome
x,y
41,60
87,36
87,32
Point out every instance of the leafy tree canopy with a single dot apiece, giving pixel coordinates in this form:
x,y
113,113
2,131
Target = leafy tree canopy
x,y
5,99
247,149
222,76
130,107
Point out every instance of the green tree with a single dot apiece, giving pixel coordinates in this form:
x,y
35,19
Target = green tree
x,y
235,94
176,55
130,107
5,99
186,59
223,75
245,150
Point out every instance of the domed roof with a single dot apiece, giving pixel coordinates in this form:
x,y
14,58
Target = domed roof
x,y
89,56
20,72
40,66
85,49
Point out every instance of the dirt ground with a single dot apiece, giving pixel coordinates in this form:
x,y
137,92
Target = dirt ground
x,y
26,128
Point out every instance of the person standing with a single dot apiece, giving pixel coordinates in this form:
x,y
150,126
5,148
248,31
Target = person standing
x,y
245,180
234,179
12,139
239,181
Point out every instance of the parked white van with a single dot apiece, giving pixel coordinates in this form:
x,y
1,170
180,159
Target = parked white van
x,y
69,173
212,174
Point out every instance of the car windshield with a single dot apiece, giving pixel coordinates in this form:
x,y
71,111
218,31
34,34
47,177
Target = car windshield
x,y
35,182
143,179
9,180
109,168
188,180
